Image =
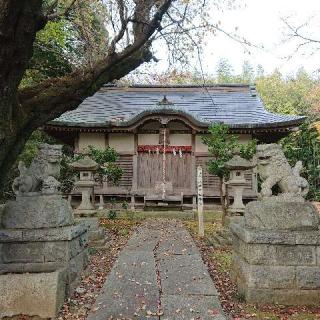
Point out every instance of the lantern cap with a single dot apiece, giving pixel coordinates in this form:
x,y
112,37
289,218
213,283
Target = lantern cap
x,y
85,164
239,163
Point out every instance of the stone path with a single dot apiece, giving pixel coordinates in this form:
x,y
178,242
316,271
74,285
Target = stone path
x,y
159,275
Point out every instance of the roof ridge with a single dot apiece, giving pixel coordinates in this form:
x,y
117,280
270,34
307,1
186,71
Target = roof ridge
x,y
187,85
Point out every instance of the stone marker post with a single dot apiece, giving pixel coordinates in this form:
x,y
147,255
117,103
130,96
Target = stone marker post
x,y
200,201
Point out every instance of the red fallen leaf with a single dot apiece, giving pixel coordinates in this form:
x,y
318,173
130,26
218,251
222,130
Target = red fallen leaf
x,y
213,312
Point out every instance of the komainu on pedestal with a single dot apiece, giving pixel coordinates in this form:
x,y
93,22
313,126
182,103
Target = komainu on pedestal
x,y
42,250
276,245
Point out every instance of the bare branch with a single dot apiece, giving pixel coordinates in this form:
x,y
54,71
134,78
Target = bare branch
x,y
295,31
298,35
123,29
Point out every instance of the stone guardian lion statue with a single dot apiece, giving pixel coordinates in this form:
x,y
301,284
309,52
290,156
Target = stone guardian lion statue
x,y
274,169
42,175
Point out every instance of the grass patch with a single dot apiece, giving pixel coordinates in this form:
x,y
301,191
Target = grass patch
x,y
211,225
121,227
209,216
223,259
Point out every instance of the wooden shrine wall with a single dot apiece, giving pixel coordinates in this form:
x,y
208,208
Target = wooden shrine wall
x,y
125,162
211,182
178,170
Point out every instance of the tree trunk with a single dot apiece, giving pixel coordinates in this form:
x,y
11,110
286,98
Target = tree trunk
x,y
52,98
23,111
19,23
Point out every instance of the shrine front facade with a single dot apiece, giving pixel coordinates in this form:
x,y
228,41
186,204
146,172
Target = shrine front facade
x,y
157,132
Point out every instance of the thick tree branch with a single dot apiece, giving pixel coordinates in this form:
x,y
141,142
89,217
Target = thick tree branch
x,y
55,96
24,110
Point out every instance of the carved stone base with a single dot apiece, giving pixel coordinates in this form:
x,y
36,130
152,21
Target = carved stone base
x,y
42,250
37,211
269,215
276,266
32,294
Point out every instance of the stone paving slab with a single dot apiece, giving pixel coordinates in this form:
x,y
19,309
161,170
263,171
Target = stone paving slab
x,y
144,240
159,272
131,288
185,274
177,242
179,307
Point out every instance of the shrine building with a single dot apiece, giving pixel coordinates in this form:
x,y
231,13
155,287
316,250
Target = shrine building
x,y
142,121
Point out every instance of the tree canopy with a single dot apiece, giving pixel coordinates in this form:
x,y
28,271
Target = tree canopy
x,y
55,53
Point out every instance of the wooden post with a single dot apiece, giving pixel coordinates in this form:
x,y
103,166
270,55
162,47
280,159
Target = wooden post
x,y
200,201
134,174
193,163
132,204
106,140
134,186
101,202
76,143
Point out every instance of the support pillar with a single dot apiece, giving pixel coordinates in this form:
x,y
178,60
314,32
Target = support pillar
x,y
101,202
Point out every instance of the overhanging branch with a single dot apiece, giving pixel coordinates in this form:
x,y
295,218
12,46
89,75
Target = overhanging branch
x,y
55,96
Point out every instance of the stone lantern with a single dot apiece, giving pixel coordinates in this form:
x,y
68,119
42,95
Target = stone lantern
x,y
237,181
86,212
86,167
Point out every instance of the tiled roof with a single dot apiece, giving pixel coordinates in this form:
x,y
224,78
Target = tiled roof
x,y
235,105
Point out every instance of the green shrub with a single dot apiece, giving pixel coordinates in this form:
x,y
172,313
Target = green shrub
x,y
112,214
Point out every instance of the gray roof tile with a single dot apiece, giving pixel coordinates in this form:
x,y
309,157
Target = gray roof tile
x,y
236,105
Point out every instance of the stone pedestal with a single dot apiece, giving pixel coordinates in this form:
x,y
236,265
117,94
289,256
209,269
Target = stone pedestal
x,y
40,294
276,253
86,208
42,254
96,235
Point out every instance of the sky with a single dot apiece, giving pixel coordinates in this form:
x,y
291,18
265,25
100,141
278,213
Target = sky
x,y
259,21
